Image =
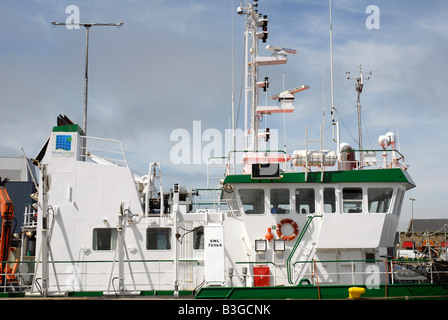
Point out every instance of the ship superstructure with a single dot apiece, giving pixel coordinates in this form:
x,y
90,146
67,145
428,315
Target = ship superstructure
x,y
276,219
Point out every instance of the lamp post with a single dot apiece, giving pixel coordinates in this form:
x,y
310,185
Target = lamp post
x,y
412,225
86,78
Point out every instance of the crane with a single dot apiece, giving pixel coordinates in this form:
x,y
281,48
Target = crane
x,y
7,214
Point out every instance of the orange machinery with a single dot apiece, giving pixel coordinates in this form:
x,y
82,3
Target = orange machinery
x,y
7,214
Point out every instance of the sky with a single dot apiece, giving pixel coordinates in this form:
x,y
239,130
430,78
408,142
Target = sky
x,y
174,64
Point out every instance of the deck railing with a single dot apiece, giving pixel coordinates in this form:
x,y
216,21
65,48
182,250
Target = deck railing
x,y
233,163
159,275
103,151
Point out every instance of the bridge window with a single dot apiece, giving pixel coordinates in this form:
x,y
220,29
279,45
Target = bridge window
x,y
252,200
329,200
305,201
379,199
352,200
104,239
280,201
158,238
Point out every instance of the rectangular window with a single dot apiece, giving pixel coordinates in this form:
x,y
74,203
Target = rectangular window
x,y
158,238
104,239
305,201
379,199
352,200
370,257
252,200
280,201
329,200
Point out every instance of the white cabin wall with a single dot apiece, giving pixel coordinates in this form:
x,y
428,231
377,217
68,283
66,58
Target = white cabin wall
x,y
83,196
333,236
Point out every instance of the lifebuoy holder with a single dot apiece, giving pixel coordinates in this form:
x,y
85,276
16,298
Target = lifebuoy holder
x,y
293,225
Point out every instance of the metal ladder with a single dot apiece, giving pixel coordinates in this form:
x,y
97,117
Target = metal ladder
x,y
296,245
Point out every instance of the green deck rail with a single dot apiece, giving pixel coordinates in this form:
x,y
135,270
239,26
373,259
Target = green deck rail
x,y
293,251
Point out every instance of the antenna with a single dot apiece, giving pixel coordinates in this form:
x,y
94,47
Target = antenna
x,y
331,71
87,26
359,86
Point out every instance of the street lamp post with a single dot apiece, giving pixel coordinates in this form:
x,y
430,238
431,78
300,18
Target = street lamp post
x,y
86,78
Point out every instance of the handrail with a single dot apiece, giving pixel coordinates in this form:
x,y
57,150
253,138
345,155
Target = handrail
x,y
299,239
86,151
397,161
229,164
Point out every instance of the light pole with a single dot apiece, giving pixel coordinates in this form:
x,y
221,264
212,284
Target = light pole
x,y
86,78
412,225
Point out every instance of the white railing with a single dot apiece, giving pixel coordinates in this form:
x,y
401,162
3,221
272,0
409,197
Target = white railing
x,y
234,162
374,158
103,151
30,217
90,276
159,275
210,199
359,271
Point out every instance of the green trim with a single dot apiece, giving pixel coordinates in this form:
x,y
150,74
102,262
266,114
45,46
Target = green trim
x,y
68,128
85,294
370,175
142,293
166,293
12,294
427,291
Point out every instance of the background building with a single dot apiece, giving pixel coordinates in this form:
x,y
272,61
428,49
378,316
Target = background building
x,y
426,236
22,183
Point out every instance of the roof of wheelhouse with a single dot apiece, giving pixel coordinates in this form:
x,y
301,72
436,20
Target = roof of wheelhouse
x,y
350,176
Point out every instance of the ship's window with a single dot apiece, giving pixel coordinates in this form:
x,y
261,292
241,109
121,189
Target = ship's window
x,y
252,200
352,200
280,201
370,257
158,238
379,199
329,200
198,238
104,239
305,201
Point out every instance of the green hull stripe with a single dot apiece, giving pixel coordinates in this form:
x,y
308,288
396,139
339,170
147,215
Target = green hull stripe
x,y
141,293
430,291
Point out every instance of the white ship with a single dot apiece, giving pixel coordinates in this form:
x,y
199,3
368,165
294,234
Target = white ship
x,y
279,220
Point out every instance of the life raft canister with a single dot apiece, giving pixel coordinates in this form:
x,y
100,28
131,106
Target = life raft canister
x,y
293,224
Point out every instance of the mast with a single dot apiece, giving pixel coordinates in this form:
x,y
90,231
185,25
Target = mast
x,y
256,30
359,86
254,22
331,76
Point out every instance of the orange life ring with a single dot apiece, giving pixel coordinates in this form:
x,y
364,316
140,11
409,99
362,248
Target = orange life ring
x,y
293,224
